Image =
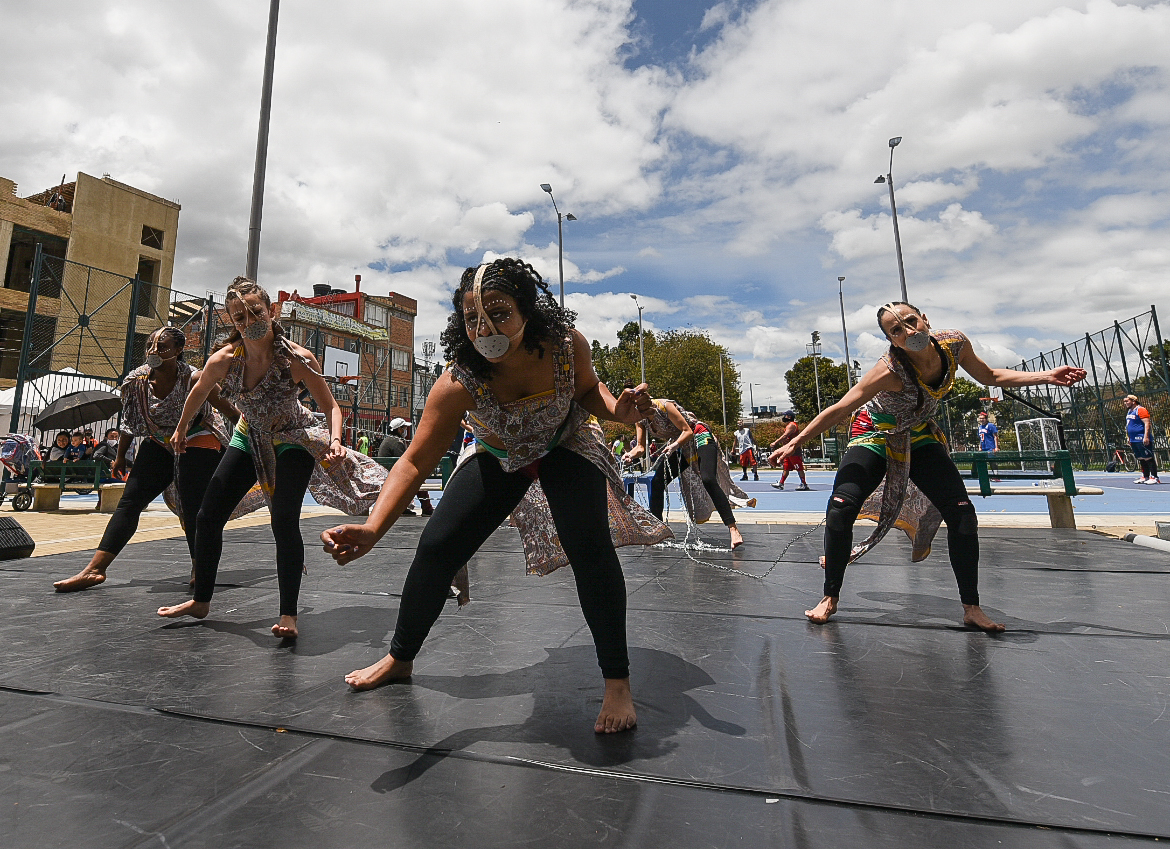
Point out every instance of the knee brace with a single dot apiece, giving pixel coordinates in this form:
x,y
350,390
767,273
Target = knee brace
x,y
842,512
966,521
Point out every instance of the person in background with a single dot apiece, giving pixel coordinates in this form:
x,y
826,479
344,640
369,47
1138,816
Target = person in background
x,y
394,445
363,443
988,434
792,461
77,450
60,446
1137,428
745,449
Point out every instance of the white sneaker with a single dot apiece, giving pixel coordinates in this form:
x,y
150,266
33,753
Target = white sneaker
x,y
1141,480
1151,481
777,485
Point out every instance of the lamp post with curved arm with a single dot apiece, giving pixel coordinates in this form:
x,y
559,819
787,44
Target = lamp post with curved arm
x,y
560,238
889,179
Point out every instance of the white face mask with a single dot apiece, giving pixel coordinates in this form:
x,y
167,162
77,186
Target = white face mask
x,y
153,360
496,344
113,443
916,340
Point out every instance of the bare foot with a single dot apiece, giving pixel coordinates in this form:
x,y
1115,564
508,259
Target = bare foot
x,y
617,708
83,580
385,671
822,561
736,538
974,617
286,628
821,613
198,609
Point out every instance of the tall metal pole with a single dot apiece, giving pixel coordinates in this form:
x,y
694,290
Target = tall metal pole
x,y
262,145
888,178
641,339
561,255
844,332
722,394
815,347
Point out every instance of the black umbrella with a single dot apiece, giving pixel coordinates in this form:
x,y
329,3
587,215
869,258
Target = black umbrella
x,y
78,409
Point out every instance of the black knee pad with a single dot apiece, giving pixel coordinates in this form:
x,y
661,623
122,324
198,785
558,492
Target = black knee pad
x,y
842,512
968,520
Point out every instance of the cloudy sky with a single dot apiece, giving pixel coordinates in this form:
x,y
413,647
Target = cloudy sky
x,y
720,157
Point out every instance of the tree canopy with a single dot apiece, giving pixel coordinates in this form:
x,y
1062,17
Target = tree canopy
x,y
680,364
802,381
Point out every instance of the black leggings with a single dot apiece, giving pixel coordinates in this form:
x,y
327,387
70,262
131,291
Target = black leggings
x,y
933,472
151,474
708,470
477,499
232,480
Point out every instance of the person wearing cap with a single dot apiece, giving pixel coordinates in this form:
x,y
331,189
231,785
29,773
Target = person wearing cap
x,y
1137,428
792,461
394,445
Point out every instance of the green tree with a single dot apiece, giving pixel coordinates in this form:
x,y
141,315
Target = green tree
x,y
802,381
680,364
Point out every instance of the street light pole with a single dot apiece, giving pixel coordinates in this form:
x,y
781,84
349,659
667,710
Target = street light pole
x,y
844,332
253,263
889,179
641,339
722,394
815,348
560,239
751,401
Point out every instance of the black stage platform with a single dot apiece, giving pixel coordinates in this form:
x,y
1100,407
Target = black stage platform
x,y
889,727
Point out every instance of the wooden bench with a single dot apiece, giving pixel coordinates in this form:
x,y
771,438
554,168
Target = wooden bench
x,y
57,476
1058,466
444,471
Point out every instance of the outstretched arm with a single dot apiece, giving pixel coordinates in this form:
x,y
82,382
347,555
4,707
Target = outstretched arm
x,y
213,372
985,374
446,405
877,379
630,407
310,375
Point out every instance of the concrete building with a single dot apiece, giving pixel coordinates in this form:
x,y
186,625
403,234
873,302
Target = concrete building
x,y
354,333
93,223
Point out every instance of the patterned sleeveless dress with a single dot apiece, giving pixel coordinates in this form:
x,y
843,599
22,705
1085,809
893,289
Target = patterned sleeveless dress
x,y
273,417
697,501
530,428
893,424
155,418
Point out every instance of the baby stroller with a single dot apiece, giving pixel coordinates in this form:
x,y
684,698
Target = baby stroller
x,y
17,452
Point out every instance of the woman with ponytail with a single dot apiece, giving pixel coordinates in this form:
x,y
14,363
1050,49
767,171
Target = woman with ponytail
x,y
153,396
527,378
897,470
276,442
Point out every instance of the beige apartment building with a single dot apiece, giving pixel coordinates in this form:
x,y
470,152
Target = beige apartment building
x,y
93,223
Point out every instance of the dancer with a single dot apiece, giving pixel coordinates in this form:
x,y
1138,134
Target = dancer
x,y
692,454
792,461
152,399
525,379
895,443
276,442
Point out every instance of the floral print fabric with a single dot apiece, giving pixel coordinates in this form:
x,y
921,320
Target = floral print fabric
x,y
272,415
897,502
697,501
530,428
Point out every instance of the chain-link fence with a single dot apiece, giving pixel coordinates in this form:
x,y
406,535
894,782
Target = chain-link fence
x,y
1127,358
86,329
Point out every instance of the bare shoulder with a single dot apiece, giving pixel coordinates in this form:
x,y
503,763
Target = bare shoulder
x,y
218,362
304,353
449,392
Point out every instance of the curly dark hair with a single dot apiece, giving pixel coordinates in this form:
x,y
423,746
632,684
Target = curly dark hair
x,y
177,337
547,320
897,353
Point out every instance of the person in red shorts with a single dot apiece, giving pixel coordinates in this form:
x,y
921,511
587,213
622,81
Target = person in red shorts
x,y
792,461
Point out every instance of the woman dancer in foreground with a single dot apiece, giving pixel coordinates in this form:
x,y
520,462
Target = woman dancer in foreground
x,y
152,401
692,454
277,442
893,441
527,379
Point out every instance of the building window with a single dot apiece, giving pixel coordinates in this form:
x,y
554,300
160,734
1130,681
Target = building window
x,y
399,360
152,238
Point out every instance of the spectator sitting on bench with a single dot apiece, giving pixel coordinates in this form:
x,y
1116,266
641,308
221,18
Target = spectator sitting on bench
x,y
108,451
77,450
60,446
